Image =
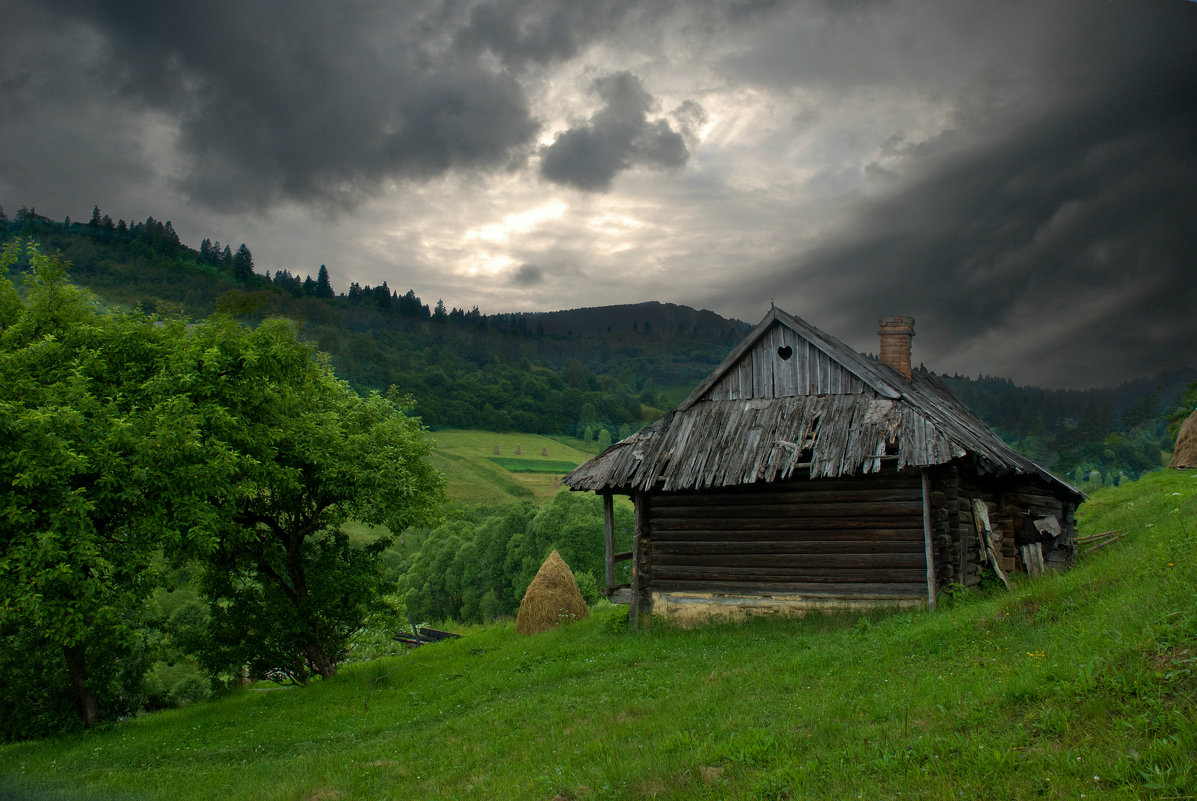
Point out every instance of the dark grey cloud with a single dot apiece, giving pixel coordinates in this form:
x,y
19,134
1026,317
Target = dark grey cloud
x,y
527,275
523,32
1018,175
1059,250
618,137
315,102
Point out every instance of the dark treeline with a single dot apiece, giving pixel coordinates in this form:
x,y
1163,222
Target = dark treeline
x,y
1090,436
582,374
595,373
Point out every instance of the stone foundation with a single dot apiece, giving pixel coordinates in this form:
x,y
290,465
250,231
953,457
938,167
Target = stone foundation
x,y
688,609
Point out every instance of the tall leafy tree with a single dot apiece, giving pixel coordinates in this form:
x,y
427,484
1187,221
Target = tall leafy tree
x,y
305,454
128,439
82,468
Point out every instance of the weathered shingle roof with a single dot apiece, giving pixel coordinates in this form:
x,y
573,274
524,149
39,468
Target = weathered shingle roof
x,y
713,440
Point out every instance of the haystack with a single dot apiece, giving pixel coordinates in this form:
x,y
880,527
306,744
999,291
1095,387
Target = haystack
x,y
1185,455
552,598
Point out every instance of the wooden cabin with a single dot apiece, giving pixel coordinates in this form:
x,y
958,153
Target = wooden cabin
x,y
802,474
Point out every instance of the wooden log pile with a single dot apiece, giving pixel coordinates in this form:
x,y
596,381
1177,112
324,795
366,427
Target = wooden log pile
x,y
1092,542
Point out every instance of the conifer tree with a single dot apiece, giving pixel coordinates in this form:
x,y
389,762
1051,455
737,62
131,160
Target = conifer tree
x,y
243,264
323,286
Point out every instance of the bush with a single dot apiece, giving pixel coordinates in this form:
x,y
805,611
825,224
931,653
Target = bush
x,y
587,586
491,607
617,619
176,684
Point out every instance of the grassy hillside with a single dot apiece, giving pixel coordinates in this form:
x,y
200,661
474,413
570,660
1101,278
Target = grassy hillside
x,y
526,467
1079,685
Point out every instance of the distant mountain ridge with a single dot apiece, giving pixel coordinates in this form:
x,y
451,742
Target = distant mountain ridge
x,y
590,372
665,319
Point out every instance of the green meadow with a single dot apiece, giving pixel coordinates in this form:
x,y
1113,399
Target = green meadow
x,y
1079,685
485,467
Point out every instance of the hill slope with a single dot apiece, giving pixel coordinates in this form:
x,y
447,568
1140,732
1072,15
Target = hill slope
x,y
488,467
1078,684
610,368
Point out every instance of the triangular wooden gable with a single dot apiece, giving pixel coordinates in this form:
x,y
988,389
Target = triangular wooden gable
x,y
787,357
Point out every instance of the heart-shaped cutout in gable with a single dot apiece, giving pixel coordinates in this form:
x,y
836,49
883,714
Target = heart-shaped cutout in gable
x,y
785,352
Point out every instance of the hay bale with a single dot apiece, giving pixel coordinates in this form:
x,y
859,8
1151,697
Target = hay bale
x,y
1185,455
552,598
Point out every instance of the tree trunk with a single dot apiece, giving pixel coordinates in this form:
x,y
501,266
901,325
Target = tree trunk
x,y
85,699
318,658
314,649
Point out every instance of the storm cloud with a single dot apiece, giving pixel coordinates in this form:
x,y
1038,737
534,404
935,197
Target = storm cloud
x,y
1018,176
322,103
527,275
618,137
1059,249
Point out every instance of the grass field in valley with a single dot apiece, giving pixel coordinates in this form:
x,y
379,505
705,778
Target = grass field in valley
x,y
526,466
1080,685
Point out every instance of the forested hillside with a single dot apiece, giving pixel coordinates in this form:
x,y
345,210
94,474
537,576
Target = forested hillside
x,y
564,372
595,373
1093,437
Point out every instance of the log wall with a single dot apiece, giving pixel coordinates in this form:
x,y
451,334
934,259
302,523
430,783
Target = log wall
x,y
952,563
1016,501
1008,501
830,538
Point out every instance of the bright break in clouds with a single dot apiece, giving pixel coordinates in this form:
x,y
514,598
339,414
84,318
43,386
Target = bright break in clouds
x,y
1018,176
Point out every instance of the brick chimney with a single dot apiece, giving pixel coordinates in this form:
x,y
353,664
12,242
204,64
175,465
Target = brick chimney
x,y
895,334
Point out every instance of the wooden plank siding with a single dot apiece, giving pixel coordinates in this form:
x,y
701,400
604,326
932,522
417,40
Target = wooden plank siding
x,y
763,373
850,538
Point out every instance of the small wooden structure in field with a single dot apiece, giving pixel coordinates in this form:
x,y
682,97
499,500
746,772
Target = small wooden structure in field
x,y
801,473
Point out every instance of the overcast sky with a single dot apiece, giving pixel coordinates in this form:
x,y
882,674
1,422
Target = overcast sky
x,y
1021,176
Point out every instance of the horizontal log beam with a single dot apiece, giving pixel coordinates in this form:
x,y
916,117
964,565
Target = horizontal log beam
x,y
749,498
786,574
848,506
784,527
781,563
788,546
845,590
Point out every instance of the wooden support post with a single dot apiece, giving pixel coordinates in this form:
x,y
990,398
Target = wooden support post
x,y
637,530
927,544
609,541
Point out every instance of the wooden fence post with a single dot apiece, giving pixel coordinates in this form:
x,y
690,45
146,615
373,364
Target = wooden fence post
x,y
928,545
609,541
